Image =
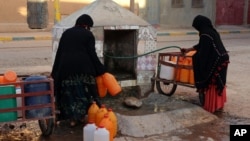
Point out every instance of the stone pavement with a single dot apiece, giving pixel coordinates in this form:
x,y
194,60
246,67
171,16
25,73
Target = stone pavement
x,y
160,114
161,32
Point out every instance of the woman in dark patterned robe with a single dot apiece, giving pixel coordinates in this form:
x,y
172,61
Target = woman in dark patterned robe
x,y
210,63
75,67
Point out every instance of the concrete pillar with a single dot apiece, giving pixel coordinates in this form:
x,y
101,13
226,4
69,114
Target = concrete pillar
x,y
132,5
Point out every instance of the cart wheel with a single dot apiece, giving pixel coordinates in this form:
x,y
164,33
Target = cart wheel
x,y
46,126
167,89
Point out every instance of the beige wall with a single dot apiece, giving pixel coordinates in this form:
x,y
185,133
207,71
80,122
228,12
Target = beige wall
x,y
13,13
183,17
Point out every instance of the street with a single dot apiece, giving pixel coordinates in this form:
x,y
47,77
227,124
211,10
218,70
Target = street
x,y
34,57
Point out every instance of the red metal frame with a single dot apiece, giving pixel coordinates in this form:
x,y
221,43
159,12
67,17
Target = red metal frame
x,y
23,107
163,57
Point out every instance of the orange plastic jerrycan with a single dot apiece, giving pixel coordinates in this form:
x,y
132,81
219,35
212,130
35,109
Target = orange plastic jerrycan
x,y
178,70
92,111
100,114
184,74
113,119
102,89
108,124
191,77
191,72
111,84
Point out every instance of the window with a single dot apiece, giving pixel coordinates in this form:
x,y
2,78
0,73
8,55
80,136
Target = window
x,y
177,3
197,4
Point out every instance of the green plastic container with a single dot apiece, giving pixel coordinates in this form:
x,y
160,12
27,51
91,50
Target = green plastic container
x,y
8,103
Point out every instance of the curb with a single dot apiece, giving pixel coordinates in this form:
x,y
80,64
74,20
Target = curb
x,y
176,33
25,38
173,33
196,33
234,31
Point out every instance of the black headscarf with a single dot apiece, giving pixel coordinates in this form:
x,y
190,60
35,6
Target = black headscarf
x,y
84,21
201,22
76,52
211,59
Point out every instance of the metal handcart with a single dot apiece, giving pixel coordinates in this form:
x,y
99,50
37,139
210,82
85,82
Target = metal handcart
x,y
174,70
46,121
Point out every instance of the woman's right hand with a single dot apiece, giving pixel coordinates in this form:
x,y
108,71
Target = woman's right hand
x,y
186,50
183,50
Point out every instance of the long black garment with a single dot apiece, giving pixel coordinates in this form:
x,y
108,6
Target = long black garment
x,y
211,58
75,67
76,54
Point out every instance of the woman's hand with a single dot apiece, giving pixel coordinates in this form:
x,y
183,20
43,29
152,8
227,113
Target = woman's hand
x,y
183,50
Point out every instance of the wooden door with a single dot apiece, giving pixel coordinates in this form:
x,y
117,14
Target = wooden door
x,y
229,12
248,14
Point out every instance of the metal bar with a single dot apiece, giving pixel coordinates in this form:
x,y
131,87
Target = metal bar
x,y
22,95
162,57
28,107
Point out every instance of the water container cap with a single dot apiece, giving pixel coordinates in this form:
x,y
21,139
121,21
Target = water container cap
x,y
106,115
10,76
101,126
91,121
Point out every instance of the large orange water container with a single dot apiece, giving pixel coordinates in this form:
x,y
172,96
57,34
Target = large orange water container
x,y
108,124
100,114
111,84
113,119
184,73
191,76
92,111
191,71
102,89
178,70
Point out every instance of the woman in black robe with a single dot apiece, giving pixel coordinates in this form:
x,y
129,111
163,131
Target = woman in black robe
x,y
210,64
75,68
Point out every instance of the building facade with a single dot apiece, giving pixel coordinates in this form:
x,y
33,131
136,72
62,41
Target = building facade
x,y
14,14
